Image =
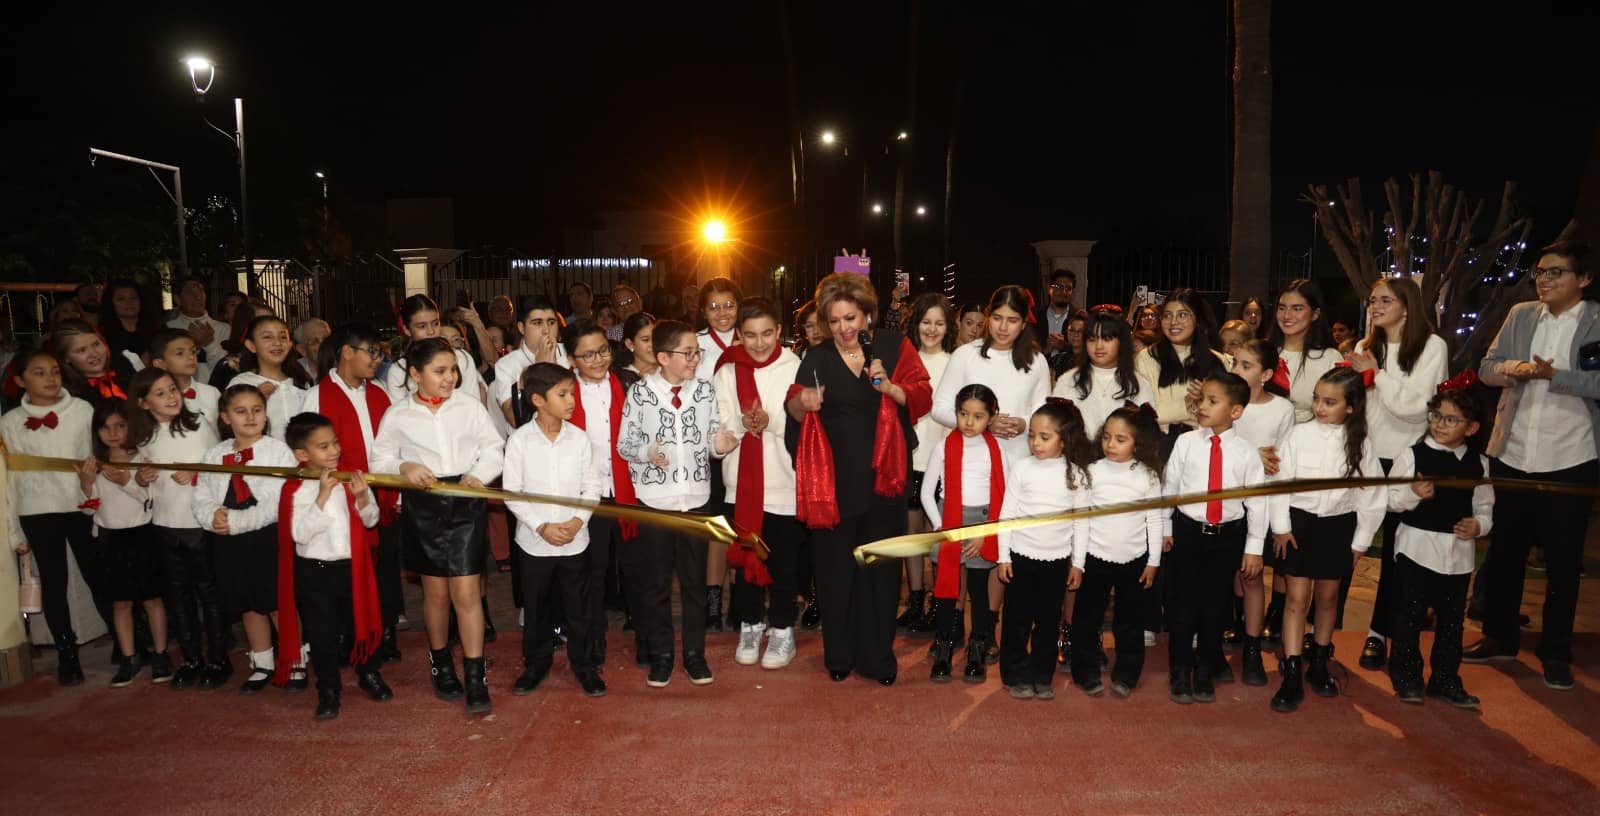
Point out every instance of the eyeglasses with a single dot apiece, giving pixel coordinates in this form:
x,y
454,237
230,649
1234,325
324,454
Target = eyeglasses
x,y
625,302
725,306
693,354
1061,287
1552,272
598,354
1176,317
1447,420
372,351
1382,301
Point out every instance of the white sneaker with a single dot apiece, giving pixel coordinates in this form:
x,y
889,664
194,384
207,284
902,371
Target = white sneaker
x,y
780,649
1149,638
749,650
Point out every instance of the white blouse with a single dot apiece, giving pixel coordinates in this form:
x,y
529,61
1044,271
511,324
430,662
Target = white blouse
x,y
122,507
174,502
563,467
400,385
974,477
710,352
212,489
1315,450
1018,392
458,440
286,401
204,402
1103,397
1037,487
1124,536
1397,404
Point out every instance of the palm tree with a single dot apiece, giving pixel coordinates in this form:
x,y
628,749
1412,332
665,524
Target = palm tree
x,y
1250,244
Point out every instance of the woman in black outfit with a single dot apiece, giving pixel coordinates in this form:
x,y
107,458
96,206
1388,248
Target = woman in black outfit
x,y
854,401
128,318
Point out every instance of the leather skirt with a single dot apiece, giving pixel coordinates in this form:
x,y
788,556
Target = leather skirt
x,y
445,536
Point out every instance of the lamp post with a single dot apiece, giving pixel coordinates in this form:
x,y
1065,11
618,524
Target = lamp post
x,y
176,194
323,177
202,72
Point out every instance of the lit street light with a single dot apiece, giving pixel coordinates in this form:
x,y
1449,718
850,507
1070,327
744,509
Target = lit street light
x,y
715,231
202,72
828,137
902,136
921,210
877,209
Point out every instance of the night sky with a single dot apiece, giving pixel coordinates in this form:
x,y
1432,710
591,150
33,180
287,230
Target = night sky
x,y
1078,120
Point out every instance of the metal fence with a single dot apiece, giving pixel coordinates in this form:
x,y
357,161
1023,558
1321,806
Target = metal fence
x,y
1114,273
481,276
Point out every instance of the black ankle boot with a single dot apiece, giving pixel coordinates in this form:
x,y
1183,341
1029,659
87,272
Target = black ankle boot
x,y
69,672
1291,692
1317,675
477,682
913,613
713,609
389,647
943,650
975,671
442,667
1252,672
489,634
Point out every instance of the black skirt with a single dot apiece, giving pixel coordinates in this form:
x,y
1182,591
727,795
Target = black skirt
x,y
1324,552
247,571
133,563
445,536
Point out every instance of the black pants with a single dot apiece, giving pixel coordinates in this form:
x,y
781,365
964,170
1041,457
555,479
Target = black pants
x,y
604,537
1100,580
661,553
1198,568
540,575
322,597
858,603
515,558
1032,619
979,615
1559,523
192,585
783,536
48,536
386,568
1418,589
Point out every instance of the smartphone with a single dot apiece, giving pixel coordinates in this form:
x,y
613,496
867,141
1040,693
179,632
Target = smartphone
x,y
902,282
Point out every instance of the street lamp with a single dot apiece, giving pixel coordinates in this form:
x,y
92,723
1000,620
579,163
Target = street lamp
x,y
828,137
921,210
902,136
877,209
715,231
202,72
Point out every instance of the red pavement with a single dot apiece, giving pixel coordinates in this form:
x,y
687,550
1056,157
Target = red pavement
x,y
791,741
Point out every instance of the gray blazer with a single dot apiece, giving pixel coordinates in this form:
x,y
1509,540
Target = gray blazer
x,y
1514,342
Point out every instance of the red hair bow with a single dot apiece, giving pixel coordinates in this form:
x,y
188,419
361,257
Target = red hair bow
x,y
1466,379
1280,377
1033,317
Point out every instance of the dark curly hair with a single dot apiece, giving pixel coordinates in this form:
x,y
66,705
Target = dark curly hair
x,y
1075,445
1141,419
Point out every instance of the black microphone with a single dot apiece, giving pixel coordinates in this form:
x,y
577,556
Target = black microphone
x,y
866,355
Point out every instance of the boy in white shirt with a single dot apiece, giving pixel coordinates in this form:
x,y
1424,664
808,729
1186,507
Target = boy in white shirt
x,y
552,456
175,352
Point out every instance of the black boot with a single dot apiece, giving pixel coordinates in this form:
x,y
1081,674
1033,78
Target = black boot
x,y
372,683
924,625
389,647
1291,692
69,672
327,704
477,682
1272,626
1317,675
489,634
812,616
1253,673
975,671
442,666
944,614
714,609
913,613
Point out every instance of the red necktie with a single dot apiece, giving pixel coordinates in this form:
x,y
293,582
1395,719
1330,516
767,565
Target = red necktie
x,y
1213,484
676,401
241,491
189,394
46,421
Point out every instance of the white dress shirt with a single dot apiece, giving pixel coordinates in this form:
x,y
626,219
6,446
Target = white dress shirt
x,y
930,434
358,400
323,533
287,400
1397,404
1551,431
399,384
1315,450
1037,487
1018,392
40,492
204,402
563,467
212,490
174,503
455,440
508,372
1265,424
1103,397
1124,536
777,467
597,426
220,331
122,507
974,477
1440,552
1189,471
711,352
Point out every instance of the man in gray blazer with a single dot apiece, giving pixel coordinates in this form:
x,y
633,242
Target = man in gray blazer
x,y
1547,428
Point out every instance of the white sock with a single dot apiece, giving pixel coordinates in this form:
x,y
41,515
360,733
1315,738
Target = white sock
x,y
263,661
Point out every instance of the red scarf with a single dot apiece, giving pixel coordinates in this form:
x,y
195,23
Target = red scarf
x,y
749,508
364,611
107,385
621,481
815,483
947,580
336,406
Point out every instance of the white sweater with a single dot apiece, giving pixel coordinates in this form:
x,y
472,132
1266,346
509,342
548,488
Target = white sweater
x,y
1305,368
1265,424
684,435
1102,398
122,507
287,400
1019,392
975,471
930,434
1170,401
1397,404
1037,487
212,489
777,468
37,493
1125,536
174,503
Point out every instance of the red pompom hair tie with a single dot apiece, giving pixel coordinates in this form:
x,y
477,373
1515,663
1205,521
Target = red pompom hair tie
x,y
1280,377
1368,377
1466,379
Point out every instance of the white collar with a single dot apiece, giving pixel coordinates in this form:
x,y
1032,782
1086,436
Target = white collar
x,y
1459,450
40,410
1574,312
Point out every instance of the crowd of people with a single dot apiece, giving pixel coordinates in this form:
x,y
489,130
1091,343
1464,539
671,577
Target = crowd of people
x,y
847,425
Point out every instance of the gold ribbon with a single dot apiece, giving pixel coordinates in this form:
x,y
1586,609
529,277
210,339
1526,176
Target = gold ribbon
x,y
918,544
715,528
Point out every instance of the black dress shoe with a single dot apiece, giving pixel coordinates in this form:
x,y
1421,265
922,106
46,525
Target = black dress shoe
x,y
215,675
1179,688
160,668
694,665
838,675
592,685
1409,694
1374,653
1558,675
372,683
327,704
530,680
1222,672
297,681
1487,650
187,675
660,672
1454,695
1205,689
256,681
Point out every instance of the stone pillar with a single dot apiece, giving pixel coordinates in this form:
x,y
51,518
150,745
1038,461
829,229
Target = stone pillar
x,y
1073,255
419,263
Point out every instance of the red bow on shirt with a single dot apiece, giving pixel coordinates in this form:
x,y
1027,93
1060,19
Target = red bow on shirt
x,y
1280,377
241,491
189,394
46,421
1460,382
107,383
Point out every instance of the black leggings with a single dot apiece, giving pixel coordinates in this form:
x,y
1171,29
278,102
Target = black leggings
x,y
195,611
48,536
